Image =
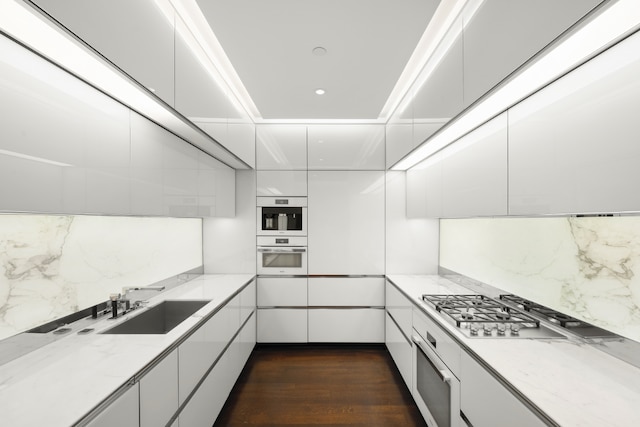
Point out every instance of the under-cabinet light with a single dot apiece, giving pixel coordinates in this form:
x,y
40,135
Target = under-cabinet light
x,y
609,25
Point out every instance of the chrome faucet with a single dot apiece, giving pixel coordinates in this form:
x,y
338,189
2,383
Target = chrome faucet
x,y
122,302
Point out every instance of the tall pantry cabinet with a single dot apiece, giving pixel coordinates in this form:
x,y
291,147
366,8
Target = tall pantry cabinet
x,y
341,170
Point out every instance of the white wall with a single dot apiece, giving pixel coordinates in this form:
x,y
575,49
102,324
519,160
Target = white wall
x,y
230,243
411,243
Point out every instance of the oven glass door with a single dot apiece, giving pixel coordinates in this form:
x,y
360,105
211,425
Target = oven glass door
x,y
435,389
435,393
278,260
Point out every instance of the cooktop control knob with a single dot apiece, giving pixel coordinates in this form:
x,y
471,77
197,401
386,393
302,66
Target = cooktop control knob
x,y
488,328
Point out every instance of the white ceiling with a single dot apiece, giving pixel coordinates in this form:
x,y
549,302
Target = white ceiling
x,y
270,43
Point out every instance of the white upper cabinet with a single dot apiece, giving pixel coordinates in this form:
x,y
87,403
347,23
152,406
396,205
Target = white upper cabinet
x,y
281,147
424,189
573,146
346,222
282,183
134,35
346,147
474,173
503,34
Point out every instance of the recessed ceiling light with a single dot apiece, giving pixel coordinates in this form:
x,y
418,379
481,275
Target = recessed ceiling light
x,y
319,51
320,91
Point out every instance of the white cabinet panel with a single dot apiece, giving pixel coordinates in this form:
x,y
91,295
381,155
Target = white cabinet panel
x,y
492,52
400,308
282,183
400,350
475,172
346,147
247,301
282,292
424,189
282,325
411,244
123,412
108,191
203,408
354,325
248,336
159,392
281,147
346,222
482,397
241,140
346,291
573,146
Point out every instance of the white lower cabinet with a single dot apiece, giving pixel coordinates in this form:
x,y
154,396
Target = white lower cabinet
x,y
282,325
486,403
400,350
159,392
352,325
123,412
282,292
205,405
346,291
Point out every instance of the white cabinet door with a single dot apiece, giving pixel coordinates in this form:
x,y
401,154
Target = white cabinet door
x,y
346,222
400,308
247,301
400,350
282,291
282,325
159,392
123,412
353,325
282,183
248,336
486,403
573,146
346,147
424,189
205,405
474,172
346,291
281,147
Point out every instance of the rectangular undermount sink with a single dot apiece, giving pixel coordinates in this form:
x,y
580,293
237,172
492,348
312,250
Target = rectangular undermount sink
x,y
160,318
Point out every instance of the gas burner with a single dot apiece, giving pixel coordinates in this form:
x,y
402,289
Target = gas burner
x,y
503,315
467,316
576,326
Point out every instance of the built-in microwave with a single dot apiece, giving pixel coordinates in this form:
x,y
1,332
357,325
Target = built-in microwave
x,y
282,216
282,256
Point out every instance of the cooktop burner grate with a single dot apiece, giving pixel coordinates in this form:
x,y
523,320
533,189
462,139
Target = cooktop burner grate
x,y
478,309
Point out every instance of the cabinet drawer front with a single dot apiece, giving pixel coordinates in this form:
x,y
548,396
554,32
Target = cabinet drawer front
x,y
446,347
282,292
282,325
400,308
346,291
400,350
361,325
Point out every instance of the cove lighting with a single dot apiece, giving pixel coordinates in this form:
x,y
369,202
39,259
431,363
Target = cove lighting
x,y
609,25
33,158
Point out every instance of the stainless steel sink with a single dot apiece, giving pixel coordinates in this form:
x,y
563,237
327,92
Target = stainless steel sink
x,y
159,319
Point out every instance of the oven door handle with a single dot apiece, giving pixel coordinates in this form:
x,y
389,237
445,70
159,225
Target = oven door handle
x,y
282,250
433,359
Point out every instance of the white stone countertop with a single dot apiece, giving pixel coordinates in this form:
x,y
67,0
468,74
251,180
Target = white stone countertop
x,y
58,384
572,381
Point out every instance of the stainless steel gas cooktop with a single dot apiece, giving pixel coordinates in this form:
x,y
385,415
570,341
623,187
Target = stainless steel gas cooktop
x,y
478,316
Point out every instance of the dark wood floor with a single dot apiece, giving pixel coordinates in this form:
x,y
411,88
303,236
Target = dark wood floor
x,y
320,386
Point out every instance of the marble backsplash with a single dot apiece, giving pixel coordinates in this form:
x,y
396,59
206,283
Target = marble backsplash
x,y
55,265
586,267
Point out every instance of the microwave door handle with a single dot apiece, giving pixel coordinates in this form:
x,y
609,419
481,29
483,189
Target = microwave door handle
x,y
443,373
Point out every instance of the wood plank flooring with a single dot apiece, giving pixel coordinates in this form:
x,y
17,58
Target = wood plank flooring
x,y
320,386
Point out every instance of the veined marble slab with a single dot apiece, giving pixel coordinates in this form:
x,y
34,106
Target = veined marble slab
x,y
52,266
585,267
